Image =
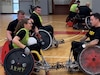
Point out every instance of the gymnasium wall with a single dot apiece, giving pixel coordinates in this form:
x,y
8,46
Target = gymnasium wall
x,y
6,6
0,7
96,5
25,5
45,4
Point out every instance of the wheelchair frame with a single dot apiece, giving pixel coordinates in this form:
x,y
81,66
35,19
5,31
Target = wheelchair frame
x,y
44,65
47,40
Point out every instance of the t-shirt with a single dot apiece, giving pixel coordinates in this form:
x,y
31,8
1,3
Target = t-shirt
x,y
94,33
11,27
84,10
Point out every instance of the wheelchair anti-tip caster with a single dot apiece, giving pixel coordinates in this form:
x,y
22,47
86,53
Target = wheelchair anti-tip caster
x,y
72,69
57,42
72,66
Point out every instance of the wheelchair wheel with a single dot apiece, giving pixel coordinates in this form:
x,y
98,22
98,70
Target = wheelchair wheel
x,y
89,60
87,22
18,63
47,39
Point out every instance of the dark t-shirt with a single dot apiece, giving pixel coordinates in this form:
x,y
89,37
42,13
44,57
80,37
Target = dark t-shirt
x,y
94,33
84,10
11,27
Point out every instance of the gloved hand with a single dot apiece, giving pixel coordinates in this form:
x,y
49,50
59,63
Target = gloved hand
x,y
37,35
27,50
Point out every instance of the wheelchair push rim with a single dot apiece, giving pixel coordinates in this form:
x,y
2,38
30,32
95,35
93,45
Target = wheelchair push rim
x,y
18,63
87,22
89,60
47,39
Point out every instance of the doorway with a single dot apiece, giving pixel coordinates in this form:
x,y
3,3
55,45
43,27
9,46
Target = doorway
x,y
61,7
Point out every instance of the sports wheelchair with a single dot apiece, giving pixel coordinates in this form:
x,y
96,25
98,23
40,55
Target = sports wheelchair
x,y
47,40
82,23
79,21
16,62
88,61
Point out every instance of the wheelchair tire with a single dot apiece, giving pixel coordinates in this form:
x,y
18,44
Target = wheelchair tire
x,y
87,22
47,39
18,63
89,60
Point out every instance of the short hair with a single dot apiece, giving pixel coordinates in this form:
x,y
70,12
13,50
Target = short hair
x,y
78,1
21,11
96,15
36,7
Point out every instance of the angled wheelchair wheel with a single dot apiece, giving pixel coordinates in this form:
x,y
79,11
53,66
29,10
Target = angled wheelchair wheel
x,y
89,60
5,50
18,63
87,22
47,39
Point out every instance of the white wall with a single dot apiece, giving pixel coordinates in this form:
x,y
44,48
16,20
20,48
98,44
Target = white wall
x,y
50,6
0,7
25,5
62,1
96,5
6,6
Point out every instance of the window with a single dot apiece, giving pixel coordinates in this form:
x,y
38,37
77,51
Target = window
x,y
15,6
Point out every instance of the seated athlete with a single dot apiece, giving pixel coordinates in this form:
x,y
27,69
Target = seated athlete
x,y
22,35
36,16
84,11
93,34
73,11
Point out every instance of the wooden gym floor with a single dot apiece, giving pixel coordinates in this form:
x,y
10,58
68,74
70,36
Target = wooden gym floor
x,y
53,55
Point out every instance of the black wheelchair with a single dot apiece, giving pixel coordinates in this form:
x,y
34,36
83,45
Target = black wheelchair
x,y
17,62
82,23
81,18
47,40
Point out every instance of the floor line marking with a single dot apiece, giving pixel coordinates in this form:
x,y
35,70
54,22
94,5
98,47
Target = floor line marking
x,y
55,57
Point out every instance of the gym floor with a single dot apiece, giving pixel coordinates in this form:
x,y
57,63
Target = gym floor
x,y
52,55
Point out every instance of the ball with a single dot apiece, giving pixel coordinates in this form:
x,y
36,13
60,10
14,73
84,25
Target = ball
x,y
31,41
